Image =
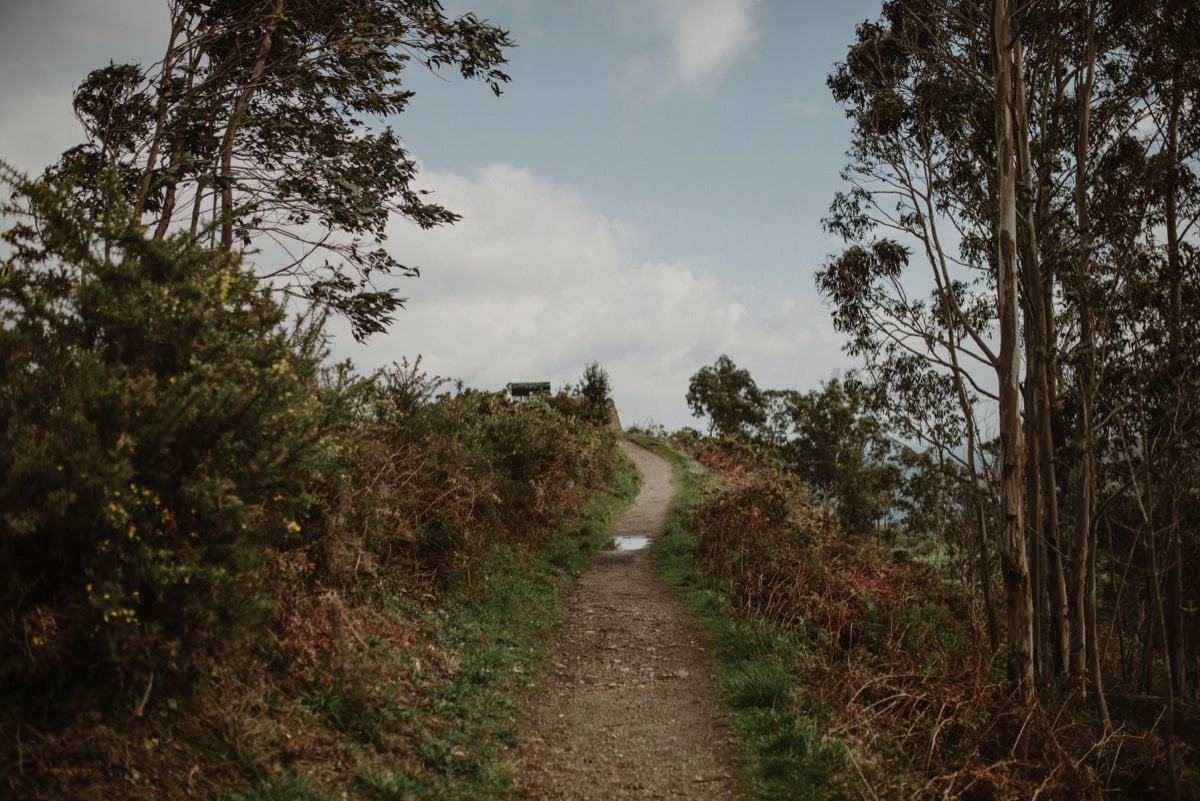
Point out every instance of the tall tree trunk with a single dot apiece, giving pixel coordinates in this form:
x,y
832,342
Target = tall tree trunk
x,y
983,561
1015,563
1039,386
178,153
1176,647
1085,643
235,120
1095,665
1161,620
161,114
1086,370
1043,655
1156,617
167,212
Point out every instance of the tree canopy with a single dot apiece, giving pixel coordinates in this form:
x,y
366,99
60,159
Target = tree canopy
x,y
1020,225
728,397
268,124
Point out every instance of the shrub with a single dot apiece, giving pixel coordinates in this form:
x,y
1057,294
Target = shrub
x,y
436,480
160,430
495,470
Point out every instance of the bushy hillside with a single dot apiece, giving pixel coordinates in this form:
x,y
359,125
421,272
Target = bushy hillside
x,y
228,570
881,659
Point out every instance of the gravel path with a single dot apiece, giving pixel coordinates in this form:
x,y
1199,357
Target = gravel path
x,y
628,709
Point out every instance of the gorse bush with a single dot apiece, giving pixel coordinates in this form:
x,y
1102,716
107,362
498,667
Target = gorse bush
x,y
459,473
160,428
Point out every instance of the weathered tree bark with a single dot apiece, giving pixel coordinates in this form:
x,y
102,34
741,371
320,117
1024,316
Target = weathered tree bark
x,y
1086,370
1019,603
235,120
1043,655
1085,654
1039,346
1175,628
160,115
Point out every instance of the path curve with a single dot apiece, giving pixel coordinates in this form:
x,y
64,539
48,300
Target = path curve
x,y
627,708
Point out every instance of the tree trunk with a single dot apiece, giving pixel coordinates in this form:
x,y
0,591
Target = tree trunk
x,y
1039,386
1086,372
1043,655
1095,665
160,116
1012,536
1169,712
225,178
984,562
168,207
1175,629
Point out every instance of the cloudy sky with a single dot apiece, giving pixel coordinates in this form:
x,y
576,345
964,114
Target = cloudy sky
x,y
647,193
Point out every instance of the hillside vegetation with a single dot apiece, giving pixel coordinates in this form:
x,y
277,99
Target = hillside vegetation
x,y
228,570
854,669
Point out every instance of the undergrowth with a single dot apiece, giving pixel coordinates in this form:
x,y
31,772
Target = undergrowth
x,y
416,695
231,571
758,667
853,672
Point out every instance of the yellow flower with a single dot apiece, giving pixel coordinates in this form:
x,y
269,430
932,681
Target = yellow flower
x,y
292,526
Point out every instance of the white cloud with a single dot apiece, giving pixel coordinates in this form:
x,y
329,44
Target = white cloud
x,y
47,47
533,284
703,39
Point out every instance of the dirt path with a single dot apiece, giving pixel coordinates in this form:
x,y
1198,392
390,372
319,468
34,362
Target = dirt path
x,y
627,709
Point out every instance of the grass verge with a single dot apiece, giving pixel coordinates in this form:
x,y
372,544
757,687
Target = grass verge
x,y
479,647
758,668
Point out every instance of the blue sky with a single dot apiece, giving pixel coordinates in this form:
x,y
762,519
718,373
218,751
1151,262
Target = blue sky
x,y
646,193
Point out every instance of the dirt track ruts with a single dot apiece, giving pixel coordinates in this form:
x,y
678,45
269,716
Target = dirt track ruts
x,y
627,708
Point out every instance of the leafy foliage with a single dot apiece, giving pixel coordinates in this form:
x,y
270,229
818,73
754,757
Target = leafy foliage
x,y
834,442
204,526
594,386
270,119
590,399
727,396
161,428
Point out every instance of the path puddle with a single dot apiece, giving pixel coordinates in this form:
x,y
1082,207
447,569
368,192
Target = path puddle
x,y
631,542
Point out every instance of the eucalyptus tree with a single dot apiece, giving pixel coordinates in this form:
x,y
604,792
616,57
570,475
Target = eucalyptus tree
x,y
269,120
843,452
1161,67
1033,173
918,86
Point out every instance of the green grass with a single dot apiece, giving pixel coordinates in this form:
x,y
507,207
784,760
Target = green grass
x,y
284,786
497,628
758,668
500,635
